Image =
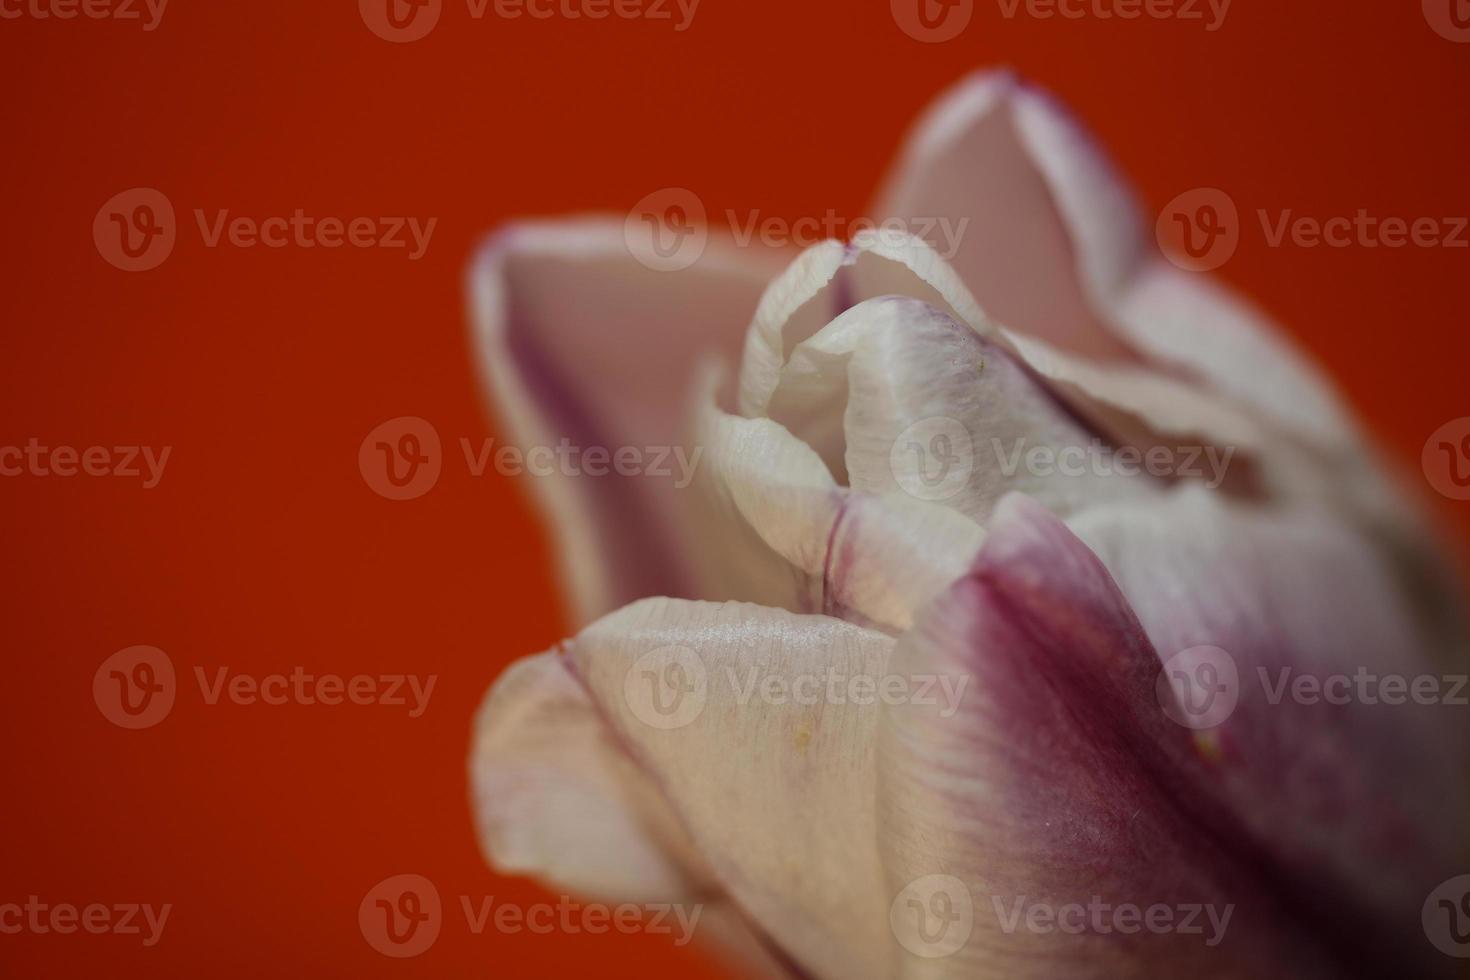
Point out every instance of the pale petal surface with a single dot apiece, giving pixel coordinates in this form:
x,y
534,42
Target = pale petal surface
x,y
865,506
580,340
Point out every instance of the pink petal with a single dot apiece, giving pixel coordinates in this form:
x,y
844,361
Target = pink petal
x,y
1061,779
1056,249
1370,796
580,340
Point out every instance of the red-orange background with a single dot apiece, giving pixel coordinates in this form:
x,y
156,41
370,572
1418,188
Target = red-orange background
x,y
263,548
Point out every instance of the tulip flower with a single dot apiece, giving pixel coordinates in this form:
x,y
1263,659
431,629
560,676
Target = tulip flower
x,y
1034,610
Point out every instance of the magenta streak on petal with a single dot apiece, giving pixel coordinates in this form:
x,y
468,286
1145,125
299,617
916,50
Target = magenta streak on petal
x,y
836,562
630,751
1080,641
843,297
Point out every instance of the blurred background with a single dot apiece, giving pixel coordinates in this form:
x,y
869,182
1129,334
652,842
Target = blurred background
x,y
262,548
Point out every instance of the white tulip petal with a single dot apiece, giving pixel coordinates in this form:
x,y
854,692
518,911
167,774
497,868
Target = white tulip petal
x,y
931,410
782,532
556,796
731,706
